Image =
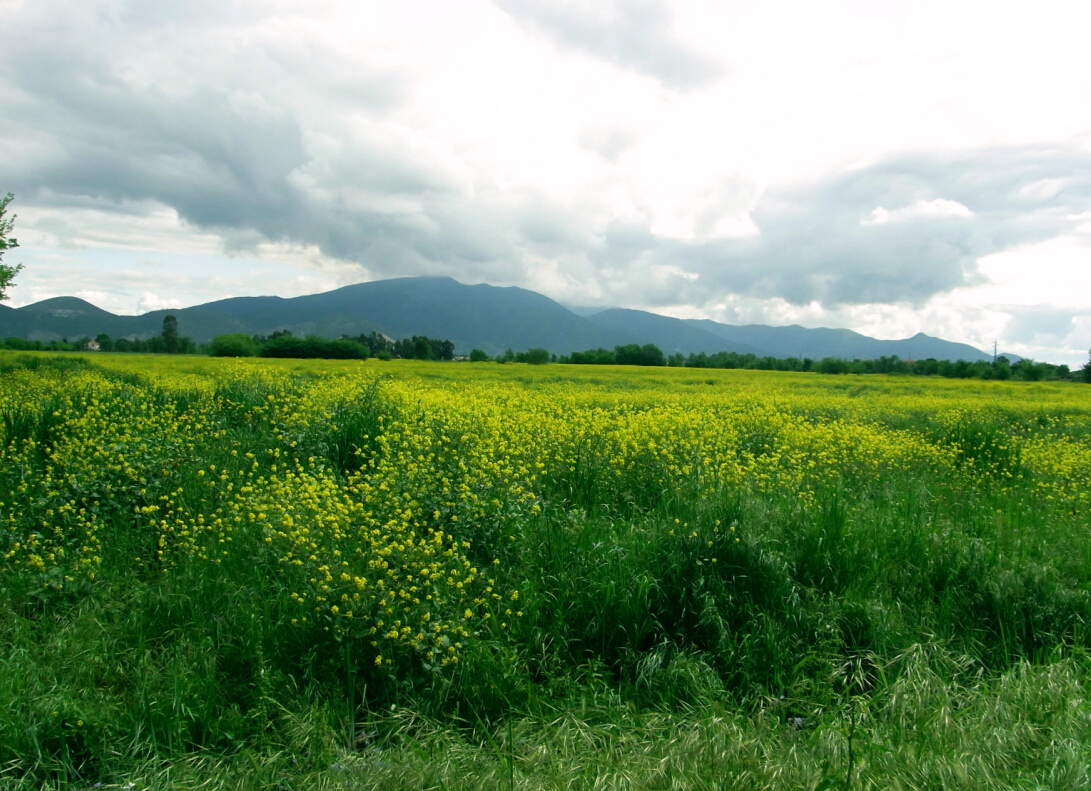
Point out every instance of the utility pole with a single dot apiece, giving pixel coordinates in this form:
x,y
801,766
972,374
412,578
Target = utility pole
x,y
994,351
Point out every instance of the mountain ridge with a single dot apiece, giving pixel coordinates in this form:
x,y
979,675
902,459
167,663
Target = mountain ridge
x,y
491,318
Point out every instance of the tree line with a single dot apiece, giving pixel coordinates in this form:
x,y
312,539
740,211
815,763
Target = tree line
x,y
1001,368
166,342
283,343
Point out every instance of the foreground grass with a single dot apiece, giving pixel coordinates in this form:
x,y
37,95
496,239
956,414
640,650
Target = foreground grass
x,y
927,730
712,579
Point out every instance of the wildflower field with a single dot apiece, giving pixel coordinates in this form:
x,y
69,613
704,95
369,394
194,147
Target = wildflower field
x,y
307,574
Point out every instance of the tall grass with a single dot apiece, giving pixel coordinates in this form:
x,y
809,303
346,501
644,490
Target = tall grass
x,y
926,630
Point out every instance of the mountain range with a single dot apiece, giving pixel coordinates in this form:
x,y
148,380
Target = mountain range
x,y
480,316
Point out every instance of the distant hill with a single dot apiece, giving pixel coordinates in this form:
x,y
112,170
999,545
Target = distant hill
x,y
669,334
479,316
64,317
796,341
471,316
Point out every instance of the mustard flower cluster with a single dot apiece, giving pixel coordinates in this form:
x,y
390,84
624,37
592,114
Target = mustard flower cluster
x,y
382,499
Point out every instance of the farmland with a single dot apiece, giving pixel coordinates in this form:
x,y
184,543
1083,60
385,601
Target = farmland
x,y
292,574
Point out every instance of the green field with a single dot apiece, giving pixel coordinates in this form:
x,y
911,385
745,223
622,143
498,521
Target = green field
x,y
306,574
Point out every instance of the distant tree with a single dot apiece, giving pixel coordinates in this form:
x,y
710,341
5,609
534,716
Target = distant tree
x,y
1028,370
420,347
1085,372
634,354
478,356
7,273
237,344
535,356
313,346
260,340
598,356
170,334
375,342
833,365
443,350
105,344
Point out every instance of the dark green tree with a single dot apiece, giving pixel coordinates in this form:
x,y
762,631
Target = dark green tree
x,y
478,356
375,342
238,344
170,334
1028,370
833,365
536,356
635,354
7,273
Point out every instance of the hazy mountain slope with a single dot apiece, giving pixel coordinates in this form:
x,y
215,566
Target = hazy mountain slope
x,y
71,317
796,341
669,334
479,316
64,317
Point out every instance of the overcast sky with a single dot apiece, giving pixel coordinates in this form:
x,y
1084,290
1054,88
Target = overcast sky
x,y
891,167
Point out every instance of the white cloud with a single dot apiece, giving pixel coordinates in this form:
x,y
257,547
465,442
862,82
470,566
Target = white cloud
x,y
150,301
937,208
663,273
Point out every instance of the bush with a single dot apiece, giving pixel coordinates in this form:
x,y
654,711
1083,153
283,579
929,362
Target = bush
x,y
478,356
238,344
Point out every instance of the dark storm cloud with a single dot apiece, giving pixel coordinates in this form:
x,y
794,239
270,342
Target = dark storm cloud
x,y
632,34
